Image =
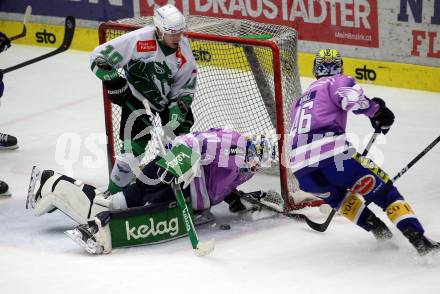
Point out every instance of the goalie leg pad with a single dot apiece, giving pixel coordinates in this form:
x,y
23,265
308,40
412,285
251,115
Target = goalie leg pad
x,y
70,196
104,203
103,234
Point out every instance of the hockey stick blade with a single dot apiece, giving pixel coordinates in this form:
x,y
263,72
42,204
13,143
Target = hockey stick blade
x,y
205,248
27,14
69,30
321,227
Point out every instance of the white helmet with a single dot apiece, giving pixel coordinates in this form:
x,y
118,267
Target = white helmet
x,y
169,20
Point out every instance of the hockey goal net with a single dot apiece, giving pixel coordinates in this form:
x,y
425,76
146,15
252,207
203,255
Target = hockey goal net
x,y
247,80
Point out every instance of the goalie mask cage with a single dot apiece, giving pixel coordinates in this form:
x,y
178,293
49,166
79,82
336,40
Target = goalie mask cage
x,y
247,80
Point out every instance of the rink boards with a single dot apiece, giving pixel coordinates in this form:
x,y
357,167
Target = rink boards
x,y
365,71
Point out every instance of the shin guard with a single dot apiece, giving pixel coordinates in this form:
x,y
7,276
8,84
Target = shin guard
x,y
402,216
352,207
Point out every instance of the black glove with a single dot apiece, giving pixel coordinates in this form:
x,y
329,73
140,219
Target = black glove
x,y
117,90
5,43
234,202
384,117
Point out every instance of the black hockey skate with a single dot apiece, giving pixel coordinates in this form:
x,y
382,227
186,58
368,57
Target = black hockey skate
x,y
378,227
4,190
422,244
83,235
8,142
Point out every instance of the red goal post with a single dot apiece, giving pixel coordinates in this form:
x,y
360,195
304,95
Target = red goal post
x,y
248,78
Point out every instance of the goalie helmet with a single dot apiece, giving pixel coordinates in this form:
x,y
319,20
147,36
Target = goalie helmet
x,y
260,151
328,62
169,20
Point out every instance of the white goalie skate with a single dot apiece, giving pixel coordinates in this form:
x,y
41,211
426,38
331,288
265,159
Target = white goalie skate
x,y
83,236
31,197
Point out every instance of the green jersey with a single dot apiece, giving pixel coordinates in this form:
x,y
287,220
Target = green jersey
x,y
154,72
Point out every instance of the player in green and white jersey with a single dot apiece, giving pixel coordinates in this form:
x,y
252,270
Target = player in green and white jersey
x,y
158,66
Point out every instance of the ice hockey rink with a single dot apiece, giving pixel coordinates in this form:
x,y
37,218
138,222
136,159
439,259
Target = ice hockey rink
x,y
54,107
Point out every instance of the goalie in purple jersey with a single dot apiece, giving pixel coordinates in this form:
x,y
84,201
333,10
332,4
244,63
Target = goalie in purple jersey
x,y
325,163
228,159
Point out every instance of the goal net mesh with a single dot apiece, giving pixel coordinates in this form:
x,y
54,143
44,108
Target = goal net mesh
x,y
240,83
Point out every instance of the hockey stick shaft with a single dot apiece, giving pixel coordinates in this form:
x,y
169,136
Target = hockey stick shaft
x,y
200,249
27,14
69,29
417,158
370,143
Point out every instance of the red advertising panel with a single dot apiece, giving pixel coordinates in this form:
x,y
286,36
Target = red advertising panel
x,y
350,22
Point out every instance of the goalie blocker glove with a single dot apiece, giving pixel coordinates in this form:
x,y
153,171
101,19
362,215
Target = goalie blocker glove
x,y
383,119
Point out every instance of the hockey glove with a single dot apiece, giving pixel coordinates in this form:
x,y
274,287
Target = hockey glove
x,y
185,126
117,90
234,202
104,70
384,117
5,43
179,109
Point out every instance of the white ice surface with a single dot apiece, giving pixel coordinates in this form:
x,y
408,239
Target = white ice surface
x,y
58,96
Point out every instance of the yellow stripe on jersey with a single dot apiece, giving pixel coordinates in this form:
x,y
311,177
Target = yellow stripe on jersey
x,y
373,167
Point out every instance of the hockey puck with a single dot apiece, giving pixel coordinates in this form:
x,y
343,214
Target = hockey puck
x,y
225,227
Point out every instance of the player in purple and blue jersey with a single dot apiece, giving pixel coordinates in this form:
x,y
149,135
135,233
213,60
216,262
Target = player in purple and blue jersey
x,y
325,163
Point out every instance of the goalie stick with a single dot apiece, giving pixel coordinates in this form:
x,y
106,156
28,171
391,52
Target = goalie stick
x,y
69,30
200,248
27,14
323,227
